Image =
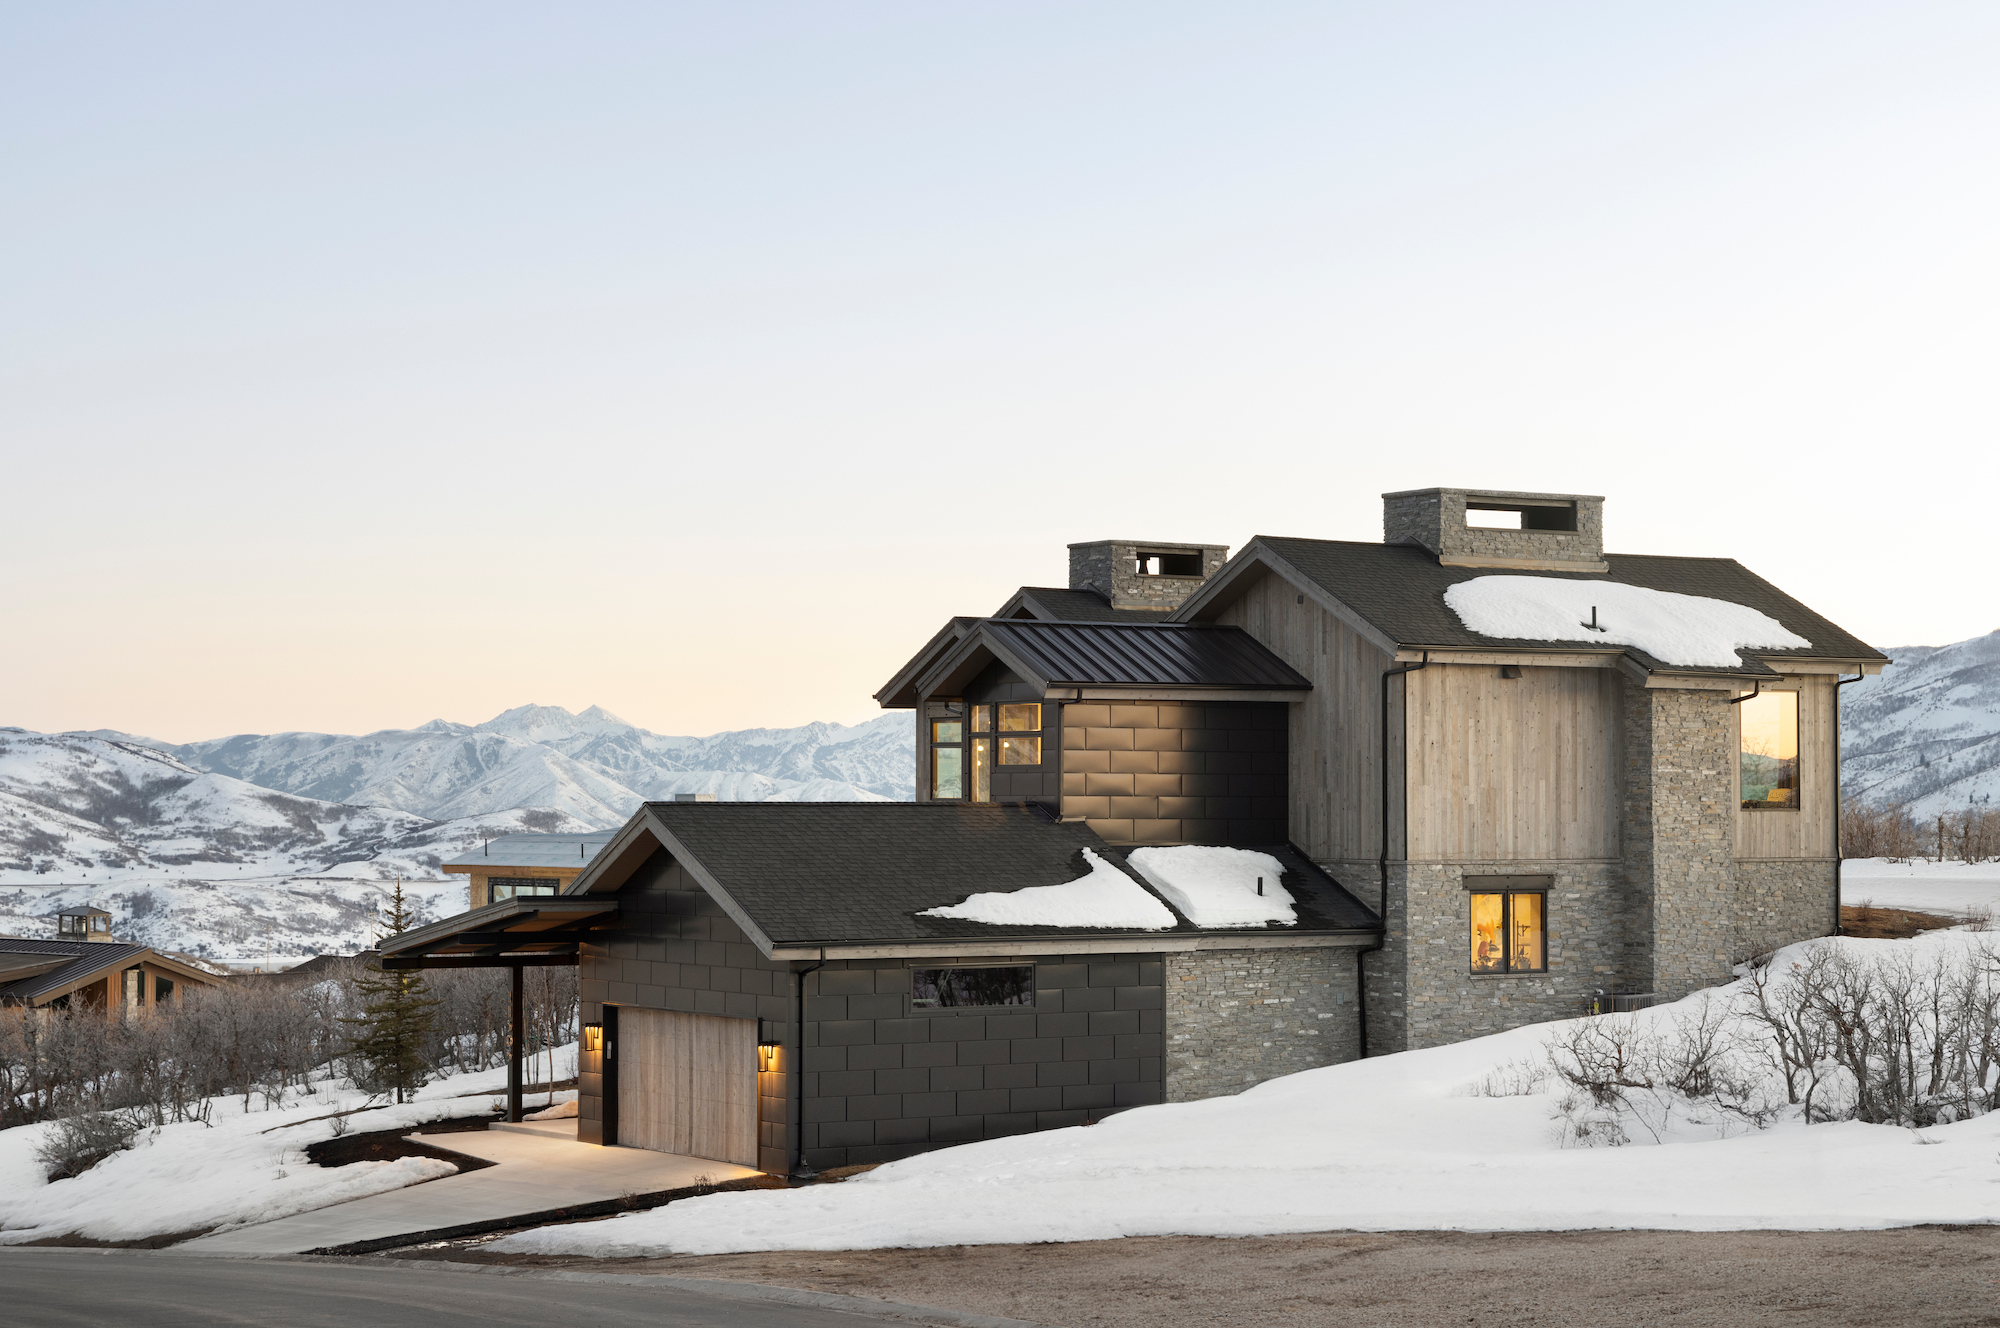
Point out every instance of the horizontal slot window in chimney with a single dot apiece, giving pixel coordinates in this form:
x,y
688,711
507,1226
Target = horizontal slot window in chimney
x,y
1500,515
1169,564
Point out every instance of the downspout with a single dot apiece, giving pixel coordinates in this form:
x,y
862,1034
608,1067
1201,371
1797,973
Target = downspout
x,y
801,1174
1837,859
1382,864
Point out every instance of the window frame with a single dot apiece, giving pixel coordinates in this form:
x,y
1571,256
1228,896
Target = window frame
x,y
1508,888
946,711
545,887
1797,800
910,992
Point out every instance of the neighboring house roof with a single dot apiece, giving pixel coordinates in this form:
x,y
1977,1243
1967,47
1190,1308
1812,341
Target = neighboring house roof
x,y
75,962
1398,589
1109,655
534,851
829,873
1055,604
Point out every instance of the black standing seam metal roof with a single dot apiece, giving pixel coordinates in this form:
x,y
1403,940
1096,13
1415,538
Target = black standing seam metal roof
x,y
90,957
849,873
1400,589
1062,654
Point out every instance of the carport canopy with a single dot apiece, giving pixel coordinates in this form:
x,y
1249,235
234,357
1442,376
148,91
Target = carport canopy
x,y
513,934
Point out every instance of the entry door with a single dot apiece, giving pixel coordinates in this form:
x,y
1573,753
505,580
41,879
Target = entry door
x,y
687,1083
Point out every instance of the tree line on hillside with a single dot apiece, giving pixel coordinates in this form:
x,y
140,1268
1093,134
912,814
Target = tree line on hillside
x,y
268,1042
1971,834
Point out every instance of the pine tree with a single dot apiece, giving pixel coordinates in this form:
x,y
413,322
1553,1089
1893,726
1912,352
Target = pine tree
x,y
387,1045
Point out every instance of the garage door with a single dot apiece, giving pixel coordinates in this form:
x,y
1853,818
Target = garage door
x,y
687,1083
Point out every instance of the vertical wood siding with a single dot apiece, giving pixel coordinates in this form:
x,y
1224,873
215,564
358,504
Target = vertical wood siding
x,y
1336,734
1807,832
687,1083
1513,768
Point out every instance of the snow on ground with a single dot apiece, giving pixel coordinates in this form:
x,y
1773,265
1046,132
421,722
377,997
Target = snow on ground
x,y
1218,887
1105,898
1927,887
238,1170
1393,1143
1689,630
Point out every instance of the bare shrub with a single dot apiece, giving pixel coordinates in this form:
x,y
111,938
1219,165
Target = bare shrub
x,y
75,1144
1517,1078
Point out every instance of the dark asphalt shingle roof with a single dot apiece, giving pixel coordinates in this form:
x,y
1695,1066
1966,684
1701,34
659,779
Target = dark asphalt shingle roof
x,y
1400,589
1062,605
1152,654
91,957
848,872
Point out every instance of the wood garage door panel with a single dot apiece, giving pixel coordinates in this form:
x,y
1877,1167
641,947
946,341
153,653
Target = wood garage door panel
x,y
687,1083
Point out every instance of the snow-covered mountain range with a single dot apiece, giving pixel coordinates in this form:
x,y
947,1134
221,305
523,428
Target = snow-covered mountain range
x,y
288,842
1926,733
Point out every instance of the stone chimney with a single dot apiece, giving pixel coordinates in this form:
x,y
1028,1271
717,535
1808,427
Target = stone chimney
x,y
1144,574
1541,532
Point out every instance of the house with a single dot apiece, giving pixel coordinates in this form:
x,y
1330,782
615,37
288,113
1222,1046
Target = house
x,y
1197,820
510,865
85,968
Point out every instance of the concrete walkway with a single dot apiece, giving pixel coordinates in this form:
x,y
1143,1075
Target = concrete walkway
x,y
540,1166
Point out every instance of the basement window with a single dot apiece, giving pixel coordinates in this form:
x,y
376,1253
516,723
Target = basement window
x,y
972,988
1768,756
1169,564
1509,932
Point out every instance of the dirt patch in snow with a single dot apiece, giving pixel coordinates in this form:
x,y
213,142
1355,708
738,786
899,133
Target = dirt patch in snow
x,y
1889,924
1939,1277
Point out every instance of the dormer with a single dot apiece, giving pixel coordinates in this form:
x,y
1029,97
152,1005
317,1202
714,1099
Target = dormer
x,y
1144,574
83,924
1537,532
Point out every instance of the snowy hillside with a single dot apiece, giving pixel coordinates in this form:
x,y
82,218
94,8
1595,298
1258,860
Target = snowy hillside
x,y
1927,731
593,766
203,863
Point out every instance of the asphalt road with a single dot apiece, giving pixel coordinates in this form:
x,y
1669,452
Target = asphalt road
x,y
58,1288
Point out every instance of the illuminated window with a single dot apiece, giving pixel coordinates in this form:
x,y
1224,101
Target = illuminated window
x,y
1769,750
959,988
1016,723
511,887
982,755
1509,933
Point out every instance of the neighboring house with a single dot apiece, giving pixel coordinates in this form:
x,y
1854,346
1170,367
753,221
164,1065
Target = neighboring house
x,y
1483,776
511,865
84,968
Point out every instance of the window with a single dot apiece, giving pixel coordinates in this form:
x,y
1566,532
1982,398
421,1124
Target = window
x,y
510,887
966,988
1009,734
1769,750
163,990
947,721
1017,724
1508,933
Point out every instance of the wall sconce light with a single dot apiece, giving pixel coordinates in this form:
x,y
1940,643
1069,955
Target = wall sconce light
x,y
767,1057
593,1037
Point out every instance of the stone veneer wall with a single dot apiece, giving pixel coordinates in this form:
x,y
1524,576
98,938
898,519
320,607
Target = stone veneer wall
x,y
1680,809
1780,903
1238,1017
1590,921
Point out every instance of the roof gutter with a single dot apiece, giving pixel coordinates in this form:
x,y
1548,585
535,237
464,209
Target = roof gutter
x,y
1837,859
1382,863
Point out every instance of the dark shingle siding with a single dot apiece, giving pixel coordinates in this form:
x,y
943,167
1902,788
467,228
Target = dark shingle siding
x,y
1400,589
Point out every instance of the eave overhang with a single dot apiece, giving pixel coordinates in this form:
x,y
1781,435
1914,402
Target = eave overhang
x,y
545,927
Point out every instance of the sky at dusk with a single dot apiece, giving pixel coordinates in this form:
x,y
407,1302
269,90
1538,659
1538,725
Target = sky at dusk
x,y
367,364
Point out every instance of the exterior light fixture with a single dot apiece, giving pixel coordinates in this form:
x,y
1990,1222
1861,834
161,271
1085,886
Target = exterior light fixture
x,y
767,1050
593,1037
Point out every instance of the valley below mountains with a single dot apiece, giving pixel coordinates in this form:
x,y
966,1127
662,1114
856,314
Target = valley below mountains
x,y
285,845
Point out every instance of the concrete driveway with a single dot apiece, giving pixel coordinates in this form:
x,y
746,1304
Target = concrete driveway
x,y
540,1166
56,1288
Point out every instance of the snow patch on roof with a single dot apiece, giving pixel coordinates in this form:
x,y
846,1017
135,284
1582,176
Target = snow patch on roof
x,y
1217,887
1105,898
1692,631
